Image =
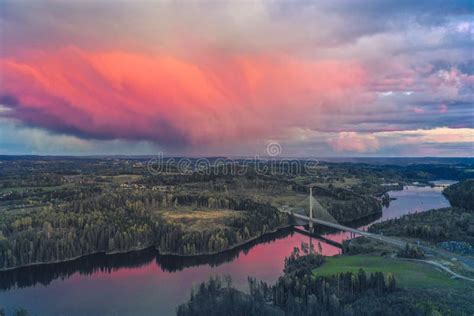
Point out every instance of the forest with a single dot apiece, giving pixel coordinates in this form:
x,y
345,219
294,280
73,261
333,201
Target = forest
x,y
120,221
59,208
461,194
441,225
300,291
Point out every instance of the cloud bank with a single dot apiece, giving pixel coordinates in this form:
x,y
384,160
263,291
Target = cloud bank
x,y
325,78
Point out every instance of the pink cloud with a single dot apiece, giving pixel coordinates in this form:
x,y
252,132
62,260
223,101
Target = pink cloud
x,y
354,142
436,135
443,108
174,99
418,110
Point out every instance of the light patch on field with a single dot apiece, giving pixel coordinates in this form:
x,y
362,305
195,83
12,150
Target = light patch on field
x,y
200,215
289,199
346,183
201,220
124,178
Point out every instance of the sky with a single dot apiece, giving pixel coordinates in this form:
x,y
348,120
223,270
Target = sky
x,y
226,78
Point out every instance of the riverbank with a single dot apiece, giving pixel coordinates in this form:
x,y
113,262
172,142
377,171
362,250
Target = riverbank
x,y
233,247
201,254
357,223
35,264
133,281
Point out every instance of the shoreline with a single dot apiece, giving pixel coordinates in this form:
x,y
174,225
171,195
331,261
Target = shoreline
x,y
74,258
233,247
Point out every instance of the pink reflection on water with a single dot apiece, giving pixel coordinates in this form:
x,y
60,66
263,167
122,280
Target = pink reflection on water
x,y
162,291
264,261
151,290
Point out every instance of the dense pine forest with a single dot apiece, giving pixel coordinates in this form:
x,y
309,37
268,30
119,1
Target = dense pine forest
x,y
55,208
300,291
120,221
461,194
441,225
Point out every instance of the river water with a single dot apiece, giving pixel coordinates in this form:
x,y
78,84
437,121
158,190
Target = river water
x,y
144,283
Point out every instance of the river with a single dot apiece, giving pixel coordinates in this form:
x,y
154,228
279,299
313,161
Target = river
x,y
144,283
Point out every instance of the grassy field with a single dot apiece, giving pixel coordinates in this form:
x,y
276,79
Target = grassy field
x,y
407,274
123,178
346,184
291,199
200,220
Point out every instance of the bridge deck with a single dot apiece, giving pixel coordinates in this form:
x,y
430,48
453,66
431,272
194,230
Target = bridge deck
x,y
385,239
318,237
381,238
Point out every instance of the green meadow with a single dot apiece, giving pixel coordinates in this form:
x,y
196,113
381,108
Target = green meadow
x,y
408,274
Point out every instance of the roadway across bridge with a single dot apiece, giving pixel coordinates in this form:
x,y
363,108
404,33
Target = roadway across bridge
x,y
381,238
319,215
325,219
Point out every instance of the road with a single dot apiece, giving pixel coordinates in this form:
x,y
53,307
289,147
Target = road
x,y
436,264
381,238
388,240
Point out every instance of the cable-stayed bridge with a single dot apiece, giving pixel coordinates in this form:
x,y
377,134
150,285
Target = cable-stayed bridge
x,y
319,215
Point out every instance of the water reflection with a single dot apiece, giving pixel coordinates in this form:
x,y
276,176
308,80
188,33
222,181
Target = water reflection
x,y
178,263
145,283
44,274
88,265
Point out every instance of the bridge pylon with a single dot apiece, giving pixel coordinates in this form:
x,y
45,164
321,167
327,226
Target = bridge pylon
x,y
311,228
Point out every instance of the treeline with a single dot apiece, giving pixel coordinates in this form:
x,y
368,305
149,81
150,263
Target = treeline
x,y
16,312
447,224
411,252
46,195
308,295
105,223
435,225
353,209
123,220
217,297
256,220
300,292
461,194
34,180
344,205
23,167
